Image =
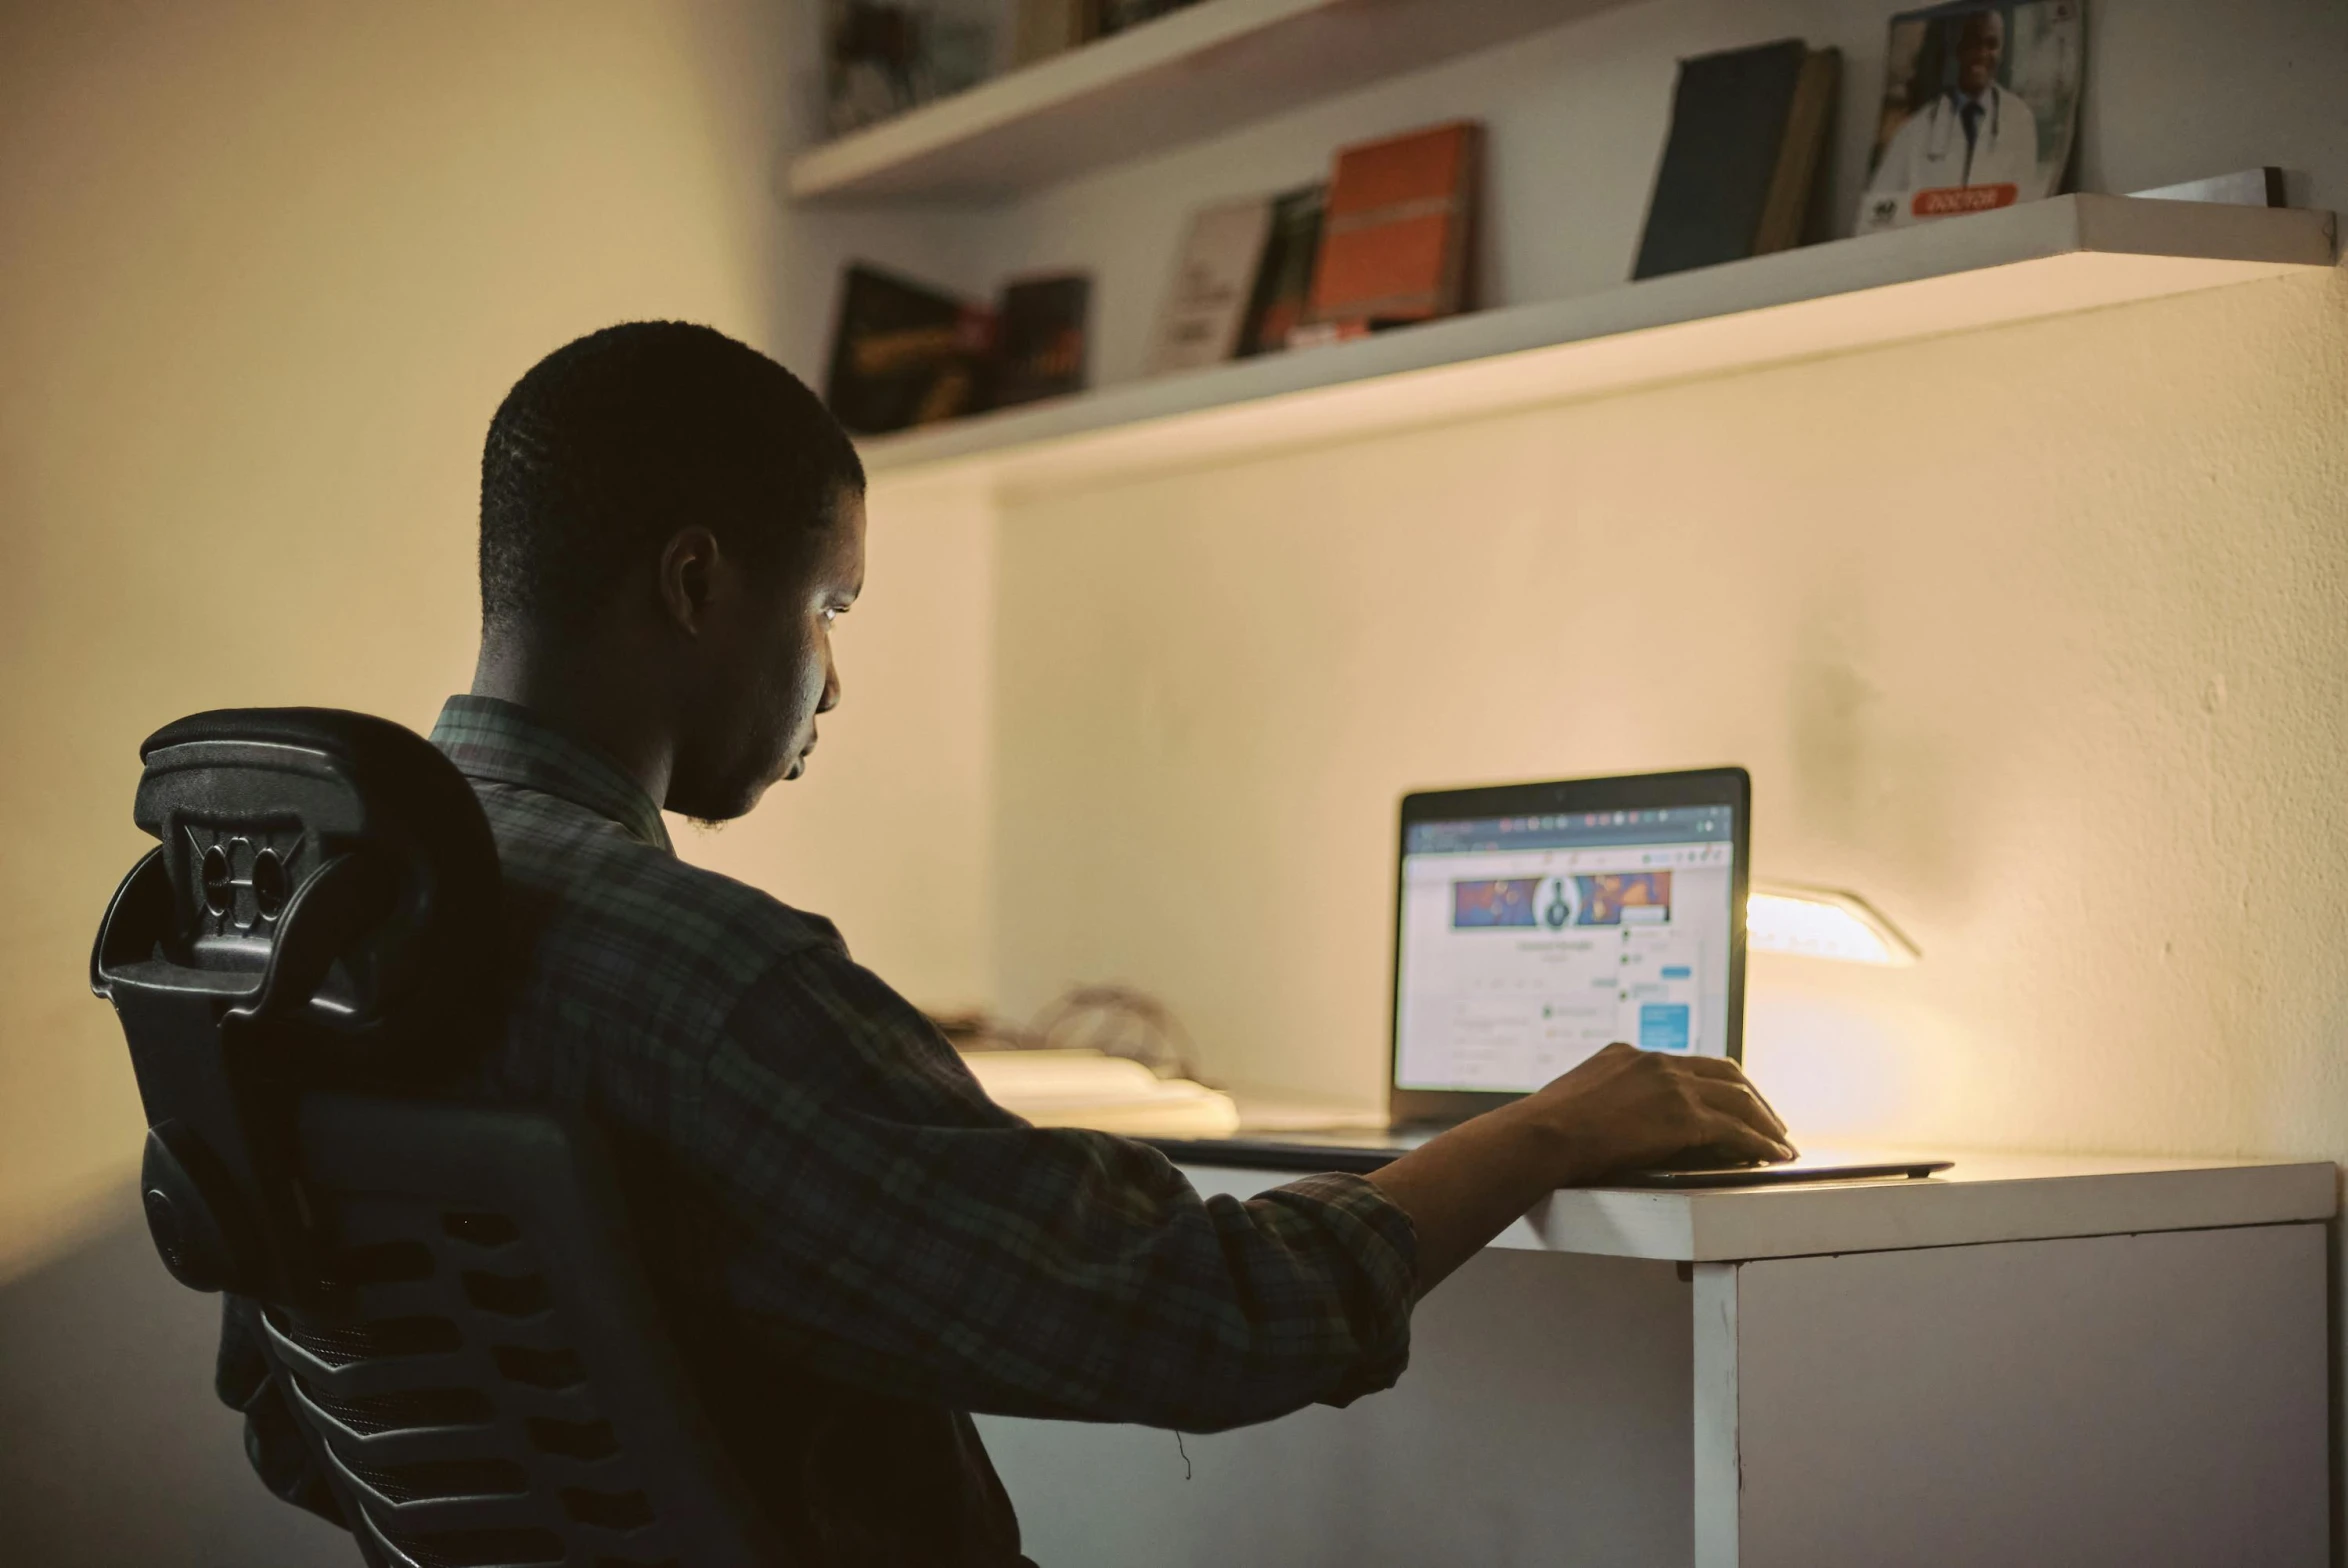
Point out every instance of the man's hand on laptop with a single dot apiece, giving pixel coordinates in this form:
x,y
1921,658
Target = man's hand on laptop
x,y
1627,1109
1623,1109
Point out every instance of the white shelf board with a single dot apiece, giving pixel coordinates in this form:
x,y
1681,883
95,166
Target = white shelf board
x,y
1982,1198
1183,76
2068,253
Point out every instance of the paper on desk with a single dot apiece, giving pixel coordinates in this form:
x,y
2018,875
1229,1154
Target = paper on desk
x,y
1080,1088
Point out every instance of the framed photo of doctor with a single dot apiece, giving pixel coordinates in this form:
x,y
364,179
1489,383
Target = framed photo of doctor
x,y
1980,98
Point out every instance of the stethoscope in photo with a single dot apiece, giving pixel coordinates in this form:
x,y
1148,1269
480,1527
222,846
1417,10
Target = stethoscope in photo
x,y
1563,905
1947,122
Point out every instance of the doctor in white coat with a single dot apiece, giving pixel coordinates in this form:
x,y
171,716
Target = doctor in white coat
x,y
1976,133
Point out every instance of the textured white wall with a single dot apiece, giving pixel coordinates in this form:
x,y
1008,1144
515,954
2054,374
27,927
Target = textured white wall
x,y
2033,636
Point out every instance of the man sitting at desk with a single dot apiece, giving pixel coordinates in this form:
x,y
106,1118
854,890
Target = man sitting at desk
x,y
855,1246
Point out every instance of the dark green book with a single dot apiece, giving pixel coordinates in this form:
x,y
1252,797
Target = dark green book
x,y
1746,129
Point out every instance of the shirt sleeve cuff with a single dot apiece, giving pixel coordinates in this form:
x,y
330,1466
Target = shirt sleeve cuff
x,y
1384,1246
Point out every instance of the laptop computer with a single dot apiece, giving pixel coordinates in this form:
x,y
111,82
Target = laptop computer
x,y
1533,925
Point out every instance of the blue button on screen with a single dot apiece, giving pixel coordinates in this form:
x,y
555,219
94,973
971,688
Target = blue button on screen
x,y
1677,972
1663,1026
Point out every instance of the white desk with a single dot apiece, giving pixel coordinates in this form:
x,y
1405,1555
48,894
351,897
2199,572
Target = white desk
x,y
2029,1360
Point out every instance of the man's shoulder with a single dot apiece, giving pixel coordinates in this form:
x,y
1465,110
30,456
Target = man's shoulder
x,y
586,892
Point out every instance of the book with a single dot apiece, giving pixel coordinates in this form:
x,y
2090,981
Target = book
x,y
1039,339
883,57
1049,27
1980,104
1395,227
1313,334
903,353
2266,186
1206,305
1785,212
1284,279
872,56
1741,160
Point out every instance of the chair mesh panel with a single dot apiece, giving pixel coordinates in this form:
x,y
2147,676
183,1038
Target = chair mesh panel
x,y
462,1418
404,1410
444,1478
340,1346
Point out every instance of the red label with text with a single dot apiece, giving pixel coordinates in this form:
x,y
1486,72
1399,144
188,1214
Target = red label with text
x,y
1951,199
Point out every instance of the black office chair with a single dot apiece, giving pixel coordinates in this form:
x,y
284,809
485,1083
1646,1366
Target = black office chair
x,y
446,1296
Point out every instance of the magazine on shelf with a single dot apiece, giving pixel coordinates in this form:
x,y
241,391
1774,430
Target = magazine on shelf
x,y
904,353
1206,304
1980,102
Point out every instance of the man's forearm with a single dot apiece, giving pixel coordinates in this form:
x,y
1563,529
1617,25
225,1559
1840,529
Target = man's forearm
x,y
1620,1109
1465,1187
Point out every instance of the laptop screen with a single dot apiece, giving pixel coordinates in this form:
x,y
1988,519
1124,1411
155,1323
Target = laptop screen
x,y
1526,944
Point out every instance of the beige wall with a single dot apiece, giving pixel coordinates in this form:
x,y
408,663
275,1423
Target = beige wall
x,y
265,270
889,832
2033,636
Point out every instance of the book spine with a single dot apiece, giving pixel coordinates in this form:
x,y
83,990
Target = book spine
x,y
1786,206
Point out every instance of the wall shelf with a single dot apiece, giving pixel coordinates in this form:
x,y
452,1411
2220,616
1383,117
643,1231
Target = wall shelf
x,y
2045,258
1208,68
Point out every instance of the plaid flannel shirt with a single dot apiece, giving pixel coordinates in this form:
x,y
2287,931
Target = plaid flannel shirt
x,y
857,1244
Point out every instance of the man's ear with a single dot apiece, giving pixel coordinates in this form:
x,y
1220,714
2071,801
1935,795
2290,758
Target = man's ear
x,y
689,568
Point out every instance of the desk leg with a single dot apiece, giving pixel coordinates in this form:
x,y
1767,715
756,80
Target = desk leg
x,y
1715,1288
2129,1401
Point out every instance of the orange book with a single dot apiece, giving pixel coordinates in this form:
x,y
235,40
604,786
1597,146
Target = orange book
x,y
1394,240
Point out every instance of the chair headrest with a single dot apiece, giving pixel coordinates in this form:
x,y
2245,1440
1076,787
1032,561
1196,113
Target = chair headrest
x,y
257,809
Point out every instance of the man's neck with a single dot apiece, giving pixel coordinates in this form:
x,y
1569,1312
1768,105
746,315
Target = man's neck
x,y
588,697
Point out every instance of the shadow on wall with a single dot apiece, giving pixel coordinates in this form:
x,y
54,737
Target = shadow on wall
x,y
112,1448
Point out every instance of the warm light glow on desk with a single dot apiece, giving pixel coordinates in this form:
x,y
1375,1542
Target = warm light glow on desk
x,y
1818,922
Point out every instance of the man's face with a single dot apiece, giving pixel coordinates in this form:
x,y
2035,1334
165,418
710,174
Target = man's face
x,y
767,671
1978,47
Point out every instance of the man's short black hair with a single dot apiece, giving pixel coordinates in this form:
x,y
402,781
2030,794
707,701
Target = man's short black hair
x,y
615,440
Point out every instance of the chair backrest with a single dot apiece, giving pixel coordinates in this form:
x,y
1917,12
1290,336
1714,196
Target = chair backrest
x,y
447,1294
